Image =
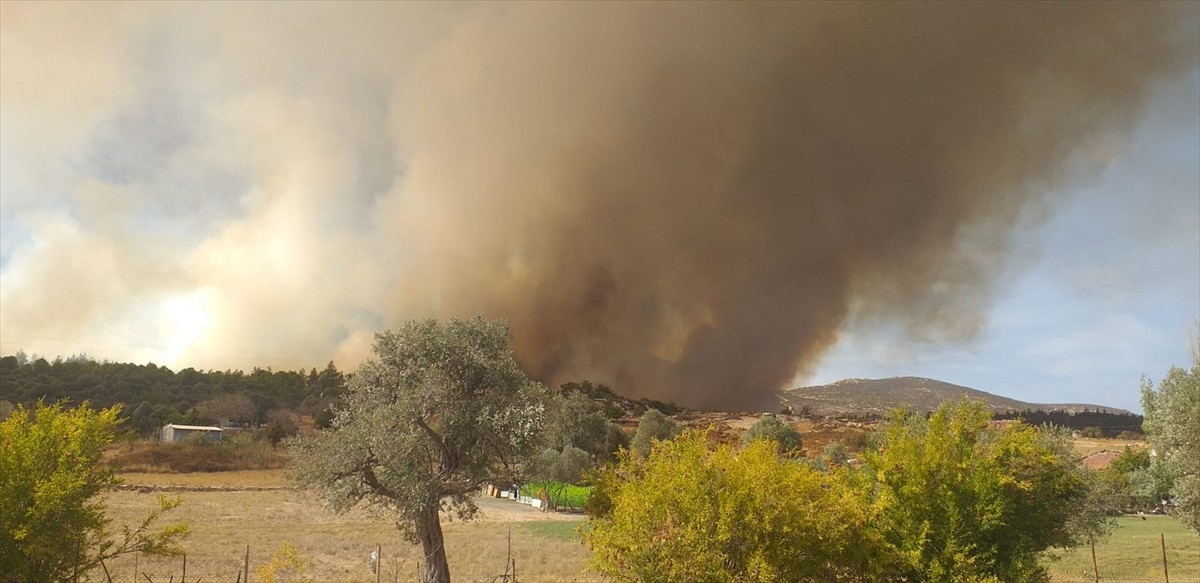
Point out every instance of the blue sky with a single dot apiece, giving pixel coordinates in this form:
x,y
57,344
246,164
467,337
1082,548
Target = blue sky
x,y
1105,291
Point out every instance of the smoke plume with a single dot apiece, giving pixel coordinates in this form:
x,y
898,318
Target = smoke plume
x,y
684,201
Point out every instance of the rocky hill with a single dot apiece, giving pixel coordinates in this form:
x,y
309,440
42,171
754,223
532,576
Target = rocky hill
x,y
878,396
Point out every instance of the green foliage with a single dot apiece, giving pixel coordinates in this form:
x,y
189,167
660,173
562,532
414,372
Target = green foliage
x,y
1129,483
559,468
52,525
442,410
962,499
576,421
1110,424
50,474
1173,429
770,427
834,453
653,426
689,512
561,494
155,395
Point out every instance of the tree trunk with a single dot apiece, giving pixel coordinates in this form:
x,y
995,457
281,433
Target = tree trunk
x,y
437,570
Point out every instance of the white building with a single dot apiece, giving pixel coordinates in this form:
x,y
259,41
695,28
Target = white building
x,y
172,432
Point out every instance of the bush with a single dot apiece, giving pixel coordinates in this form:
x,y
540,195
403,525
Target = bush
x,y
287,565
232,453
962,499
653,426
691,513
1091,432
770,427
52,524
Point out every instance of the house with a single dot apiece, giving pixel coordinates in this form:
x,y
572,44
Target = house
x,y
172,433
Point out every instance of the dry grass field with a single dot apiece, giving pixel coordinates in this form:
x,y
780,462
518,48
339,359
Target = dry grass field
x,y
337,547
229,510
1087,445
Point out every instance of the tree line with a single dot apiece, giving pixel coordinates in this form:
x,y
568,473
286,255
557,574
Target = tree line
x,y
1107,424
155,395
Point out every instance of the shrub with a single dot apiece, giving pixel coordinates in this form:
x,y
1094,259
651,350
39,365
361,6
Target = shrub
x,y
653,426
691,513
233,453
286,565
771,428
52,524
962,499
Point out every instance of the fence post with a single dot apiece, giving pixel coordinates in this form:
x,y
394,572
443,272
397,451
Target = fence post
x,y
1162,539
247,564
378,561
1095,568
183,578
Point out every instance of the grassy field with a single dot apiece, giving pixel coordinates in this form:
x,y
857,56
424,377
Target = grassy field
x,y
564,495
1133,554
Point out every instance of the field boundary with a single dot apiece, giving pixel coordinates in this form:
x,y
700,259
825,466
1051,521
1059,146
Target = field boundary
x,y
146,488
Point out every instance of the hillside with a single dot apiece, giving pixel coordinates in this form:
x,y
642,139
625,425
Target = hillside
x,y
878,396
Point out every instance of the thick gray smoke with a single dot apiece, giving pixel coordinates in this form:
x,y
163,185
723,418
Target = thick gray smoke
x,y
685,201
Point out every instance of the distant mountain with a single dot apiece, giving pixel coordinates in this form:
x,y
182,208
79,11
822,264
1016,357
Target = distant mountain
x,y
878,396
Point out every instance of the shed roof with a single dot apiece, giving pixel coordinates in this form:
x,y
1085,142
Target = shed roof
x,y
192,427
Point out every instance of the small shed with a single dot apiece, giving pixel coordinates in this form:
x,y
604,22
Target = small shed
x,y
172,433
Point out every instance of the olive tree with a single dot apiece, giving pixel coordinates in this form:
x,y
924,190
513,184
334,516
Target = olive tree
x,y
1172,426
653,426
770,427
439,411
577,438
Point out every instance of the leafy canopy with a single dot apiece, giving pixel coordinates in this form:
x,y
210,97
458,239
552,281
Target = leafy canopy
x,y
961,499
770,427
52,525
439,411
691,512
1173,428
653,426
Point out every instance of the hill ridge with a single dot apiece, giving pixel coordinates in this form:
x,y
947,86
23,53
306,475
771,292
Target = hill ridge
x,y
861,396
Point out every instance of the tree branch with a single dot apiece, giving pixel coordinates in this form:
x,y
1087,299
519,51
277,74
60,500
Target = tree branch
x,y
449,461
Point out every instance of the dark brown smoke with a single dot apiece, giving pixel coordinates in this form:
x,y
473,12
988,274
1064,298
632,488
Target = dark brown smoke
x,y
690,201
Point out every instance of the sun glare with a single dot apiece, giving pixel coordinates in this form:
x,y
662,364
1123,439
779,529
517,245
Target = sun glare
x,y
184,318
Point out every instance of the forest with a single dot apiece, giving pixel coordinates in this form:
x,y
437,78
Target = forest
x,y
154,395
